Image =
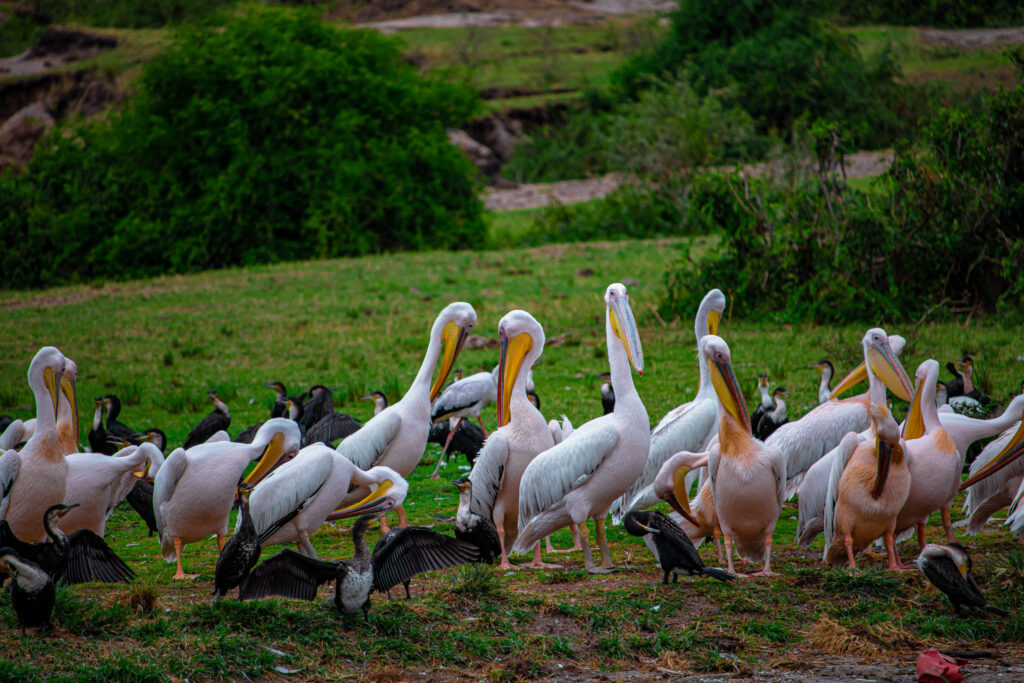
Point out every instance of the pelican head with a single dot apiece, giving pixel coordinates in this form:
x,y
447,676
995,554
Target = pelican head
x,y
453,325
624,325
881,351
389,494
520,342
670,486
47,370
709,313
277,438
716,353
1013,449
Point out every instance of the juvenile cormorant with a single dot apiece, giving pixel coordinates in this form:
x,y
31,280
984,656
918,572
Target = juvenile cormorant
x,y
607,393
948,567
219,419
473,528
33,593
278,409
380,401
766,401
774,418
676,552
824,366
98,435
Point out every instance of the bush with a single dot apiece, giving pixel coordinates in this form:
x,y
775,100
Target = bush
x,y
781,63
949,237
939,13
276,138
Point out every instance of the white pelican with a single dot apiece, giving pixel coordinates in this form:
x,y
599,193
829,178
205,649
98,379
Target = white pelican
x,y
806,440
12,435
932,457
579,478
397,436
97,483
824,366
870,480
67,410
747,478
696,517
992,493
194,490
1006,462
43,469
10,465
309,488
463,398
521,436
688,427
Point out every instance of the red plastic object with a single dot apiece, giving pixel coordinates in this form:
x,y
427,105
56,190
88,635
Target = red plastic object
x,y
935,667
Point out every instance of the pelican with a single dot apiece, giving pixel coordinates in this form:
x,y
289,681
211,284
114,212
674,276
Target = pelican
x,y
98,482
43,470
309,488
1007,463
747,478
12,435
824,366
521,436
579,478
194,489
688,427
67,411
461,399
870,480
397,436
987,495
696,517
806,440
932,457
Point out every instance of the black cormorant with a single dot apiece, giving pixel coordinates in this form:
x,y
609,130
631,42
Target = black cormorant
x,y
676,551
219,419
948,567
98,436
472,528
33,592
278,409
774,418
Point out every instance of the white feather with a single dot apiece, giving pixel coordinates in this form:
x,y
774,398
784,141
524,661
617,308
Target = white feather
x,y
365,448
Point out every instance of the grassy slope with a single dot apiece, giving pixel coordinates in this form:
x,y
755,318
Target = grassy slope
x,y
361,324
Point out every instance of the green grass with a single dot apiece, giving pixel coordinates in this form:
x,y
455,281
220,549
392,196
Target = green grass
x,y
361,324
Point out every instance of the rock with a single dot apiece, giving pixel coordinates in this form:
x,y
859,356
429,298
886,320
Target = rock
x,y
20,133
493,132
481,155
630,282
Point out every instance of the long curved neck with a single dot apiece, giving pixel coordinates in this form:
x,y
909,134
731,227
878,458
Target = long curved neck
x,y
46,421
247,527
826,380
426,372
929,411
766,398
57,536
97,418
114,410
518,400
618,362
966,430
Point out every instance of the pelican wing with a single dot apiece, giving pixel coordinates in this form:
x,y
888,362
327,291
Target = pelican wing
x,y
462,395
332,427
811,499
844,451
10,465
488,474
290,575
365,447
91,559
563,468
285,490
805,441
166,480
993,485
403,553
688,427
12,435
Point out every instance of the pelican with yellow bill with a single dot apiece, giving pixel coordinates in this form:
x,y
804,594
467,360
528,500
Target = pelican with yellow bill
x,y
396,437
194,490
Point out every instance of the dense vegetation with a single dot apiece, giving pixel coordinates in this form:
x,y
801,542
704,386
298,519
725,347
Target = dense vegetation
x,y
940,13
947,232
279,137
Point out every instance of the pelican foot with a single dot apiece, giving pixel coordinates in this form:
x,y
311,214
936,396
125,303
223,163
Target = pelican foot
x,y
435,476
600,570
573,549
902,568
764,572
182,575
509,565
544,565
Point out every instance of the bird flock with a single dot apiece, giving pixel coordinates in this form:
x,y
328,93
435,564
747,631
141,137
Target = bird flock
x,y
860,477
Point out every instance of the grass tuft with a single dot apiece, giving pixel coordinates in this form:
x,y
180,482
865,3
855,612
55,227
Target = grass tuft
x,y
874,582
143,596
475,582
563,576
1008,573
829,636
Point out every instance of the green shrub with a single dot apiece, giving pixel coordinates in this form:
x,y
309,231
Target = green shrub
x,y
939,13
780,62
277,137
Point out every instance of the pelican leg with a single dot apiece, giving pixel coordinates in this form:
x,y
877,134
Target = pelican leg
x,y
767,571
602,543
305,545
588,558
848,542
537,563
504,564
220,543
894,558
728,556
947,524
444,451
180,574
481,425
718,543
403,521
575,541
547,545
920,537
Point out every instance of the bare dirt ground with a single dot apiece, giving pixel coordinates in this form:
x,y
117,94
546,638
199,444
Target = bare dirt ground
x,y
529,13
859,165
974,38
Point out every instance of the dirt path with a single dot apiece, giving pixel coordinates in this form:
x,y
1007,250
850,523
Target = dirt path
x,y
859,165
525,13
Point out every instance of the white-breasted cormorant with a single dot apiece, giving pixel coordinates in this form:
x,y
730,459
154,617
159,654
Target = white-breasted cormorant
x,y
219,419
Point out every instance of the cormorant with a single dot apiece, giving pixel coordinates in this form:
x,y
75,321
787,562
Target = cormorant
x,y
473,528
774,418
242,551
219,419
948,567
380,401
278,409
766,401
824,366
607,393
116,430
468,439
98,435
33,593
675,550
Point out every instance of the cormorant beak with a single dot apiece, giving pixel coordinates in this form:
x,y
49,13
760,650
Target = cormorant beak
x,y
1013,450
372,504
66,509
453,337
728,391
68,388
913,428
52,380
679,497
647,528
886,367
513,352
367,397
624,326
271,454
